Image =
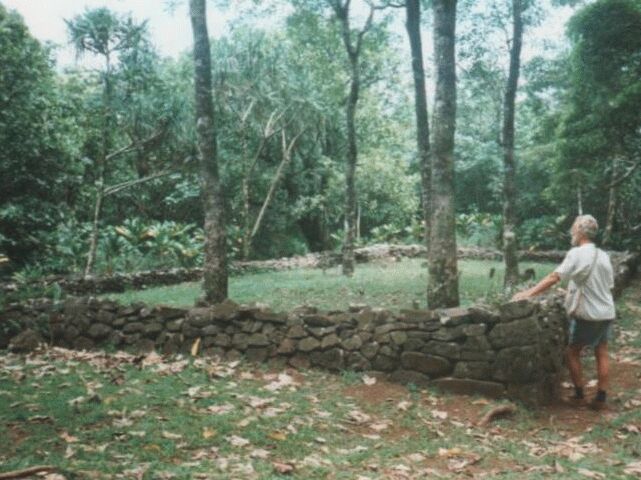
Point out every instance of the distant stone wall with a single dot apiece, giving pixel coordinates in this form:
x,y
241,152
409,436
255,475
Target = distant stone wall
x,y
514,350
119,282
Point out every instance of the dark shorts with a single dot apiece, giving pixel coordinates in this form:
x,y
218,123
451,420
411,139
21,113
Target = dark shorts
x,y
590,332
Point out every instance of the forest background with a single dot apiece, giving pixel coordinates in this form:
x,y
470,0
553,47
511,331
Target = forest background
x,y
105,148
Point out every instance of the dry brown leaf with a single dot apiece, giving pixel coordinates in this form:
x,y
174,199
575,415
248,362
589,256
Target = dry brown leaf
x,y
590,474
237,441
279,436
367,380
209,433
171,436
195,347
439,414
283,468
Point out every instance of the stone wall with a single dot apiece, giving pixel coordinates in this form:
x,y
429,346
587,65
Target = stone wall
x,y
515,350
119,282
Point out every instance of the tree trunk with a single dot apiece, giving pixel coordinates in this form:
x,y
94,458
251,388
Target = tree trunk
x,y
350,174
612,203
93,239
215,264
509,163
442,289
413,24
286,160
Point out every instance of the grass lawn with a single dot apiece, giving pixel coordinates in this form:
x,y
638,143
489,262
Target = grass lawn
x,y
116,416
391,285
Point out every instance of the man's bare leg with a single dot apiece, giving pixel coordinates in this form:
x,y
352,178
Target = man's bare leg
x,y
573,357
602,366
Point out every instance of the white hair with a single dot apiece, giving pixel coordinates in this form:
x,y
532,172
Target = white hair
x,y
587,226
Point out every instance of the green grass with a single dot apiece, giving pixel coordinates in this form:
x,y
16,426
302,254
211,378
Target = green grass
x,y
391,285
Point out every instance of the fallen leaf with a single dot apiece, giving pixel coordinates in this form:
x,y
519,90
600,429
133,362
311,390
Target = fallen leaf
x,y
283,468
279,436
195,346
171,436
590,474
438,414
68,438
259,453
367,380
209,433
237,441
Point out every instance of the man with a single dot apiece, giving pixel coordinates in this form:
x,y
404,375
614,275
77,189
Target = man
x,y
589,304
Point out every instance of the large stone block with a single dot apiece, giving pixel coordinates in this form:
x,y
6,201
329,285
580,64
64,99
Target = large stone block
x,y
257,354
330,359
385,363
225,311
133,327
474,370
428,364
330,341
258,340
455,316
99,331
356,361
200,317
152,330
308,344
418,316
518,365
369,350
449,350
287,347
448,334
514,310
352,343
105,316
464,386
239,341
515,333
317,320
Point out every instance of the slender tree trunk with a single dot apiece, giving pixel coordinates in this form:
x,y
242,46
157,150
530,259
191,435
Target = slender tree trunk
x,y
413,25
286,160
350,174
509,162
215,264
93,239
612,202
443,273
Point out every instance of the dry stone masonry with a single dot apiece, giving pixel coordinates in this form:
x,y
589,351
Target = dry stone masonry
x,y
514,350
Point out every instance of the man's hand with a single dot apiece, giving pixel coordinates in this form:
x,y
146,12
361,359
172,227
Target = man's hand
x,y
523,295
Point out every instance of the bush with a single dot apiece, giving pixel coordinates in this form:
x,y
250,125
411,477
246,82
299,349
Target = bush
x,y
544,233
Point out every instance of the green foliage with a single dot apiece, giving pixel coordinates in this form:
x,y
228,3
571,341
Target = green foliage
x,y
545,233
479,229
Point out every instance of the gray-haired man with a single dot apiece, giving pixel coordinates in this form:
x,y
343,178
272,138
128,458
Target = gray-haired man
x,y
589,304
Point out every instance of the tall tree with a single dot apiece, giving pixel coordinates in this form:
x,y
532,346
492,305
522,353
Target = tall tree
x,y
507,143
215,263
413,25
443,281
353,45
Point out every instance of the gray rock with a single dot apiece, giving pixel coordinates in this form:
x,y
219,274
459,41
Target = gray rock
x,y
452,317
330,359
320,332
517,365
474,370
299,362
398,338
257,354
131,338
391,327
330,341
417,315
26,341
478,356
133,327
356,361
428,364
384,363
152,330
464,386
225,311
239,341
271,317
175,325
308,344
449,350
448,334
190,332
287,347
297,331
519,309
169,313
475,329
251,326
222,340
105,316
70,333
99,331
83,343
316,320
119,322
515,333
352,343
258,340
369,350
210,330
200,317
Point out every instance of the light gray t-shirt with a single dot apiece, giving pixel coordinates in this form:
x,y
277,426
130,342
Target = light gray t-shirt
x,y
596,302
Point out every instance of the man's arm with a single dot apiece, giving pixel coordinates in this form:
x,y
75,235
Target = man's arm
x,y
547,282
